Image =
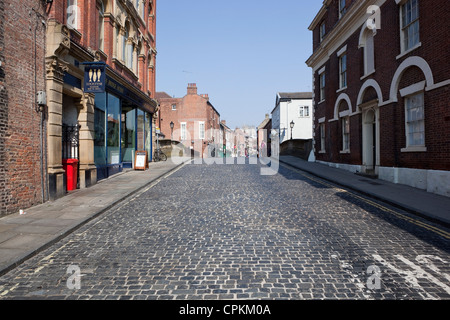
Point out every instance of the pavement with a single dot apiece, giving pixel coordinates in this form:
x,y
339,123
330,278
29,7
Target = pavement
x,y
24,235
430,206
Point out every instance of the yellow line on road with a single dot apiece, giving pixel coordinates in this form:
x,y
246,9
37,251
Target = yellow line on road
x,y
419,223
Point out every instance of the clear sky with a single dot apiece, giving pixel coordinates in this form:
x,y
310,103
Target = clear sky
x,y
240,52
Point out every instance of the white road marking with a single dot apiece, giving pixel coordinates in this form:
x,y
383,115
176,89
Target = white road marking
x,y
417,272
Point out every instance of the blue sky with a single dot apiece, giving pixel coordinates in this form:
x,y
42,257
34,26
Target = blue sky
x,y
241,53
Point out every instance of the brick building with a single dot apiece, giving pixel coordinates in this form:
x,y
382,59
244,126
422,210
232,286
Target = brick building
x,y
116,37
195,120
381,89
22,129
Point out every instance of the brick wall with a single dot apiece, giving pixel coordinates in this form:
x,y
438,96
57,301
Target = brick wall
x,y
192,108
3,115
22,44
434,50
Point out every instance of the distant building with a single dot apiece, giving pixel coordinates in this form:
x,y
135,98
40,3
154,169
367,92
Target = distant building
x,y
293,108
292,118
264,137
195,121
227,135
381,90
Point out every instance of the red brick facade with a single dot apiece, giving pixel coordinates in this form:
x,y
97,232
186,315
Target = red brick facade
x,y
398,74
119,33
143,28
191,110
22,49
43,49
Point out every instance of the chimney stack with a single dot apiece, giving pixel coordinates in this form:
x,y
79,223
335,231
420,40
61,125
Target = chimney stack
x,y
192,88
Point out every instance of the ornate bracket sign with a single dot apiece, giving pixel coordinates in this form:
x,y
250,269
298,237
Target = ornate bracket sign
x,y
94,77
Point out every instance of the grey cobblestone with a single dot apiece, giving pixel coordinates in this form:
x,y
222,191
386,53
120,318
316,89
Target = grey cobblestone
x,y
225,232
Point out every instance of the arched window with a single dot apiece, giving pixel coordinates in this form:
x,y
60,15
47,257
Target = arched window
x,y
369,52
72,14
125,37
101,26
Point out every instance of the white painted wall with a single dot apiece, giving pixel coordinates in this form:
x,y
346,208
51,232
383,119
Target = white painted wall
x,y
290,111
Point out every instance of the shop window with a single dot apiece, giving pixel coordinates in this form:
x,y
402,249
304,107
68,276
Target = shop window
x,y
100,129
140,130
128,140
148,134
113,137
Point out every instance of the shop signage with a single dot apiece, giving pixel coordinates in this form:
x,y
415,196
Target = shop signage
x,y
94,77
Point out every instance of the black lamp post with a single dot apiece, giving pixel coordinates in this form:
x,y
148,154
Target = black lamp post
x,y
292,127
171,130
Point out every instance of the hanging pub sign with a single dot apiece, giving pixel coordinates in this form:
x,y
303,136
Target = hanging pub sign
x,y
94,77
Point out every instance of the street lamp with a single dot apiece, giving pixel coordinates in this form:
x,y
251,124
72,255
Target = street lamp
x,y
171,130
292,127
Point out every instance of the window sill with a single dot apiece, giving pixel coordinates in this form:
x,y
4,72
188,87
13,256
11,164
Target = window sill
x,y
414,149
344,151
321,101
322,152
341,89
367,75
401,55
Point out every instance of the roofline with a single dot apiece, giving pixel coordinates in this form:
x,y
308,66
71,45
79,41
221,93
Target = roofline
x,y
319,15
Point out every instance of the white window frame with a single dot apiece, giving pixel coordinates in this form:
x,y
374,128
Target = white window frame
x,y
183,131
174,107
405,29
343,76
129,55
72,14
322,31
101,31
201,130
322,85
303,112
322,136
408,94
369,52
345,121
342,9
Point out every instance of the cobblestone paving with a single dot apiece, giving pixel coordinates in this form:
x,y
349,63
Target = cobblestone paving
x,y
226,232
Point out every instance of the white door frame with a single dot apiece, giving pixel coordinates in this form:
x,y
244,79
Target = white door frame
x,y
370,123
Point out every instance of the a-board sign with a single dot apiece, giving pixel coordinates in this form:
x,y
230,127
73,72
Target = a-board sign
x,y
140,160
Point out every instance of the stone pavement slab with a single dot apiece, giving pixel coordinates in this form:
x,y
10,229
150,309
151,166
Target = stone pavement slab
x,y
22,236
420,202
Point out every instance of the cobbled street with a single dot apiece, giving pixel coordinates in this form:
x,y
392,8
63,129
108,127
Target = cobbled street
x,y
227,232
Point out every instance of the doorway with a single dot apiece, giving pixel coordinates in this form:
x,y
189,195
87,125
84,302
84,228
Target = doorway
x,y
371,140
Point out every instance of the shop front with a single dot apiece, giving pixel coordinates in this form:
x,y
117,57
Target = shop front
x,y
123,125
